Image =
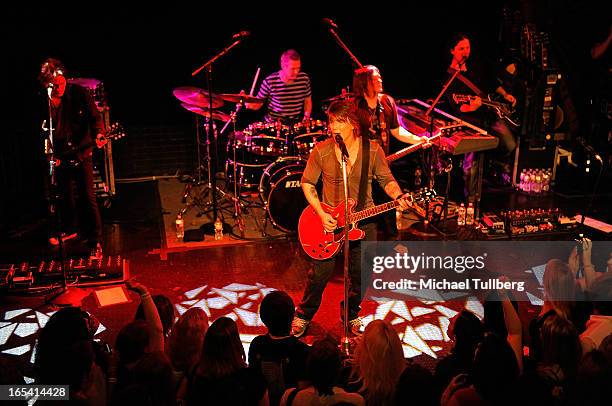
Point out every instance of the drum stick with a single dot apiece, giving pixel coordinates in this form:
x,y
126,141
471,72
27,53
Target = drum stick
x,y
254,82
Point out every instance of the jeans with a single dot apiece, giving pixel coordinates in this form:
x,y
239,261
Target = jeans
x,y
321,272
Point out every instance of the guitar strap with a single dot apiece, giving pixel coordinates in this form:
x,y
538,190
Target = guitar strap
x,y
365,167
468,83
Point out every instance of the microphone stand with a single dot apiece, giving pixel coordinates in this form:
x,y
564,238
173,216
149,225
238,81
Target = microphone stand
x,y
346,249
444,211
209,228
54,209
343,45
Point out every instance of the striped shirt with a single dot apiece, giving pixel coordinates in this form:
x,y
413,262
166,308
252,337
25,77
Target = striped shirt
x,y
285,100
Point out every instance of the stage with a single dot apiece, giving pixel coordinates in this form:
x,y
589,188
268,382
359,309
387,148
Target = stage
x,y
224,278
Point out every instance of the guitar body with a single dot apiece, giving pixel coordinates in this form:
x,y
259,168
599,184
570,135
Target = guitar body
x,y
503,110
317,243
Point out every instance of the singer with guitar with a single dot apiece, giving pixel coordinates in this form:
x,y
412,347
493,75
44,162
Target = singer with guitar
x,y
467,98
325,162
76,126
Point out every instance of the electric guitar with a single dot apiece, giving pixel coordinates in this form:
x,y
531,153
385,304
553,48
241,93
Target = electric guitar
x,y
75,156
503,110
442,131
320,244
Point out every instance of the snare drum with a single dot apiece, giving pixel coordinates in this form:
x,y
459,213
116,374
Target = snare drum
x,y
268,146
306,134
280,189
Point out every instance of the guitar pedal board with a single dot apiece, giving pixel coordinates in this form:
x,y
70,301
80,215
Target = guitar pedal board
x,y
81,272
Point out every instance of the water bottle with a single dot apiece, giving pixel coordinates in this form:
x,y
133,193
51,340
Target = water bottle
x,y
180,227
537,186
218,229
461,215
469,215
546,181
527,184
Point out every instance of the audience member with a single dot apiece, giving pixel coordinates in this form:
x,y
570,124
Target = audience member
x,y
559,299
378,363
65,355
280,356
599,325
222,376
492,380
323,366
467,331
416,386
165,309
185,346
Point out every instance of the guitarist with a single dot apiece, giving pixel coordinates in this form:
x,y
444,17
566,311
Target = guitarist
x,y
77,127
325,162
475,81
378,118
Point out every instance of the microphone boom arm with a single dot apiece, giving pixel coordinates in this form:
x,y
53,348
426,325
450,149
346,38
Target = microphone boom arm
x,y
343,46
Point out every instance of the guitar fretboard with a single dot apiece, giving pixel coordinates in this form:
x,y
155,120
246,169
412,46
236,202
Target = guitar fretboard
x,y
373,211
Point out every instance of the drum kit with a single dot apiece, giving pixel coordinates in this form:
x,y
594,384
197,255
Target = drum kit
x,y
265,159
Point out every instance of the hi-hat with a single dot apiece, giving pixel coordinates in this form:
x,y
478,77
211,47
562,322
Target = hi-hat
x,y
217,115
237,97
342,96
197,97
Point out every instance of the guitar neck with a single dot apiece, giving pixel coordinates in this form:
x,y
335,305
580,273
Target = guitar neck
x,y
373,211
408,150
493,104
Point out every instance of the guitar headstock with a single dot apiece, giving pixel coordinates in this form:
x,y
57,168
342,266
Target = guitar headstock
x,y
116,131
461,98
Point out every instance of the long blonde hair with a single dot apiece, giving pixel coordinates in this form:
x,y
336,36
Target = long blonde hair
x,y
186,339
378,362
559,287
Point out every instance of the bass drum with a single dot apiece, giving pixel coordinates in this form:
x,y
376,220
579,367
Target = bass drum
x,y
280,190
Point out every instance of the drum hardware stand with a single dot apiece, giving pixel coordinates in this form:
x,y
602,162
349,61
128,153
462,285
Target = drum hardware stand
x,y
209,228
192,197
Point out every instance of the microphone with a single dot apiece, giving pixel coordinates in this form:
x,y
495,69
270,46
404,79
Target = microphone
x,y
241,34
589,149
50,89
330,22
341,145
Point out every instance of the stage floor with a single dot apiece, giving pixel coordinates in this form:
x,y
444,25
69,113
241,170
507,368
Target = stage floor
x,y
224,279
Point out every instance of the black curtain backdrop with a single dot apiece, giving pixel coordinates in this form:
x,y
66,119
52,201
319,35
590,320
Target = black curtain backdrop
x,y
142,52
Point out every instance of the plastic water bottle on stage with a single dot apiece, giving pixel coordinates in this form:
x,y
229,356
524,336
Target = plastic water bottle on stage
x,y
469,214
180,227
218,229
461,215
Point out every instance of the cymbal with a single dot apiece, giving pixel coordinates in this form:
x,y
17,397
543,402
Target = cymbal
x,y
236,97
342,96
217,115
197,97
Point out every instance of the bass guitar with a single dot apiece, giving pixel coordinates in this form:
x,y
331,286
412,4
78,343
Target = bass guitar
x,y
503,110
74,156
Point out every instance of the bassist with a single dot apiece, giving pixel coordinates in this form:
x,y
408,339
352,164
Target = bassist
x,y
77,126
475,80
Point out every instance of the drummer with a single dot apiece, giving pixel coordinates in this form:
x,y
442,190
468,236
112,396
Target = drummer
x,y
287,92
